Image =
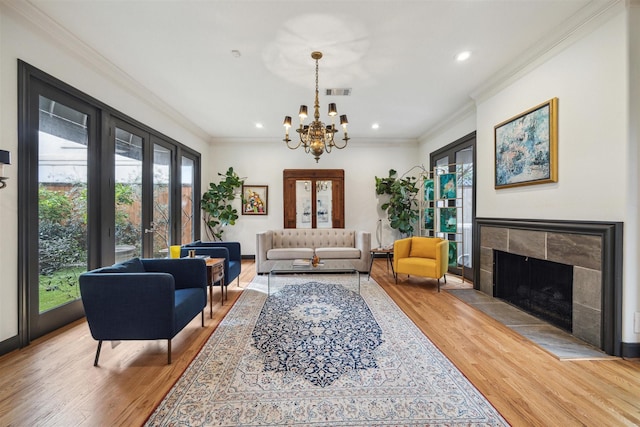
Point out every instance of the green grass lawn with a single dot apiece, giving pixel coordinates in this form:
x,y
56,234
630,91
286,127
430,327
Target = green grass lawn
x,y
60,287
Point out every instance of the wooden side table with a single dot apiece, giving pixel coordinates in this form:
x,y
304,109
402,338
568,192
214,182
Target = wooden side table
x,y
215,273
388,252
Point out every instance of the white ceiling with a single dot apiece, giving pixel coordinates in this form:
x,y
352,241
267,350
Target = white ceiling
x,y
396,56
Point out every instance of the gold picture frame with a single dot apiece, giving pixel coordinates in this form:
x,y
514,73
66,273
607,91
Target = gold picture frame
x,y
526,147
254,199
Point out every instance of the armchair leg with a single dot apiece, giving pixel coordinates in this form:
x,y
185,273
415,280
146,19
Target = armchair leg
x,y
202,317
169,352
95,362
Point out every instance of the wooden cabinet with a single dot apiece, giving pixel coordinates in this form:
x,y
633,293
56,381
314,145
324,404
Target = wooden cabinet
x,y
313,198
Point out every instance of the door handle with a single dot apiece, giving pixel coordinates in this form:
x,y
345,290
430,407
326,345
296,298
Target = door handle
x,y
152,229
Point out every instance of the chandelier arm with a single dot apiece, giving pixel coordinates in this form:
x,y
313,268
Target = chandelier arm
x,y
346,141
287,141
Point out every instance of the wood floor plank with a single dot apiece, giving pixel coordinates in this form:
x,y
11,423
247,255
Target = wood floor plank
x,y
53,382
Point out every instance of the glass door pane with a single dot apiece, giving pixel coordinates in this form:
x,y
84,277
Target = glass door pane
x,y
303,204
324,204
161,217
464,165
128,195
62,203
187,197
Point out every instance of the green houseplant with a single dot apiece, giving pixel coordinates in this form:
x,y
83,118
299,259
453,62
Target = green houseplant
x,y
402,207
216,203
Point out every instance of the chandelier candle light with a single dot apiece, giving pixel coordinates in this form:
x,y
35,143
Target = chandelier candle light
x,y
315,137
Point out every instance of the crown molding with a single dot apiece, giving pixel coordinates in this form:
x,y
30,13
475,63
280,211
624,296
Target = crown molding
x,y
467,110
361,142
582,23
98,63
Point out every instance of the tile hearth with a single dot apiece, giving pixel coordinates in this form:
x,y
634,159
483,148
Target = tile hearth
x,y
552,339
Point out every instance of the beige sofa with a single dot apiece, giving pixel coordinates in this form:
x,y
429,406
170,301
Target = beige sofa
x,y
327,243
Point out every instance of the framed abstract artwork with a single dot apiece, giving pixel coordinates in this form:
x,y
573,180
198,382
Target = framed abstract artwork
x,y
526,147
254,199
453,254
448,220
447,186
428,190
428,219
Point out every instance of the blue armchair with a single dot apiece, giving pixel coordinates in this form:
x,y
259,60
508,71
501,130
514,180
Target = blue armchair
x,y
143,299
230,251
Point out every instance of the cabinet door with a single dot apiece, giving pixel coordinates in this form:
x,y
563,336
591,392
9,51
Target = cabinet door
x,y
313,198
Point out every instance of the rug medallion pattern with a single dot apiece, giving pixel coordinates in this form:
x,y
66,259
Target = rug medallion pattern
x,y
317,330
259,368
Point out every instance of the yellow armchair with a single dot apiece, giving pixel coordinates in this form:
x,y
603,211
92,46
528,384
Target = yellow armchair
x,y
421,256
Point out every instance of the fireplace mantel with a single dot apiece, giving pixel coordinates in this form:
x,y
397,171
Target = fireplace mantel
x,y
594,248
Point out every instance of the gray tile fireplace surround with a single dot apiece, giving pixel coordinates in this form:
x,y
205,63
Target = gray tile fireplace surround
x,y
592,248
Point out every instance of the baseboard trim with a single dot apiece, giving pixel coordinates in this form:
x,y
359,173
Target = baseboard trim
x,y
630,350
9,345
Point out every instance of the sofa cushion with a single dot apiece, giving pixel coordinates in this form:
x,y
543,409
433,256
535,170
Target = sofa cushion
x,y
423,247
313,238
290,253
130,266
338,253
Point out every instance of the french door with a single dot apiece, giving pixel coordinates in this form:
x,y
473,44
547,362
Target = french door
x,y
56,196
95,188
459,157
141,190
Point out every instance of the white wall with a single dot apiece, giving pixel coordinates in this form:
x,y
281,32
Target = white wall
x,y
589,79
20,40
262,163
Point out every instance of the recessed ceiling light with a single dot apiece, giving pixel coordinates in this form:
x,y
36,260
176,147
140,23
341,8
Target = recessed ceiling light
x,y
463,56
375,126
259,125
235,53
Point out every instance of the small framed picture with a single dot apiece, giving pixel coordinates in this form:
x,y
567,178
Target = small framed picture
x,y
254,199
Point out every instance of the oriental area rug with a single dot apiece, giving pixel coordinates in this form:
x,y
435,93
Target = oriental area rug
x,y
315,352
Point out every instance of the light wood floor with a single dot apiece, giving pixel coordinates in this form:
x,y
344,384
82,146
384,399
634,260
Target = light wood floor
x,y
53,381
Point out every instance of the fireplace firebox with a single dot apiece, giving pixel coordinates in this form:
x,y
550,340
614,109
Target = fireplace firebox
x,y
540,287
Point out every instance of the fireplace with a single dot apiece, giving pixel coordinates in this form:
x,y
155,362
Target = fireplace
x,y
539,287
590,253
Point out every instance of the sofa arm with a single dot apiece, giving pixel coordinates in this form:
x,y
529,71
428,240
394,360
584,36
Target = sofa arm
x,y
264,242
186,272
363,242
129,306
442,258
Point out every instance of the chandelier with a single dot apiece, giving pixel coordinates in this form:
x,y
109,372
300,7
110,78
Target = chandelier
x,y
316,138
